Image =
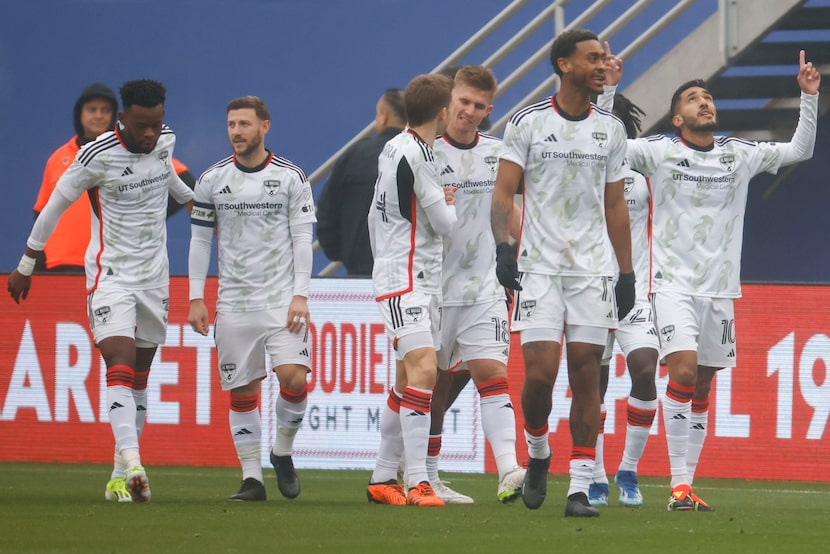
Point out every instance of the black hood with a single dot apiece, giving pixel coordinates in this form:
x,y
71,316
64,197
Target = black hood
x,y
95,90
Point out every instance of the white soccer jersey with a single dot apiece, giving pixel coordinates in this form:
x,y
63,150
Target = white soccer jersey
x,y
469,271
406,248
128,192
699,199
638,198
252,211
567,163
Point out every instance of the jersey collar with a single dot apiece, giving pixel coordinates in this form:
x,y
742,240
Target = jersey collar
x,y
456,144
562,113
256,169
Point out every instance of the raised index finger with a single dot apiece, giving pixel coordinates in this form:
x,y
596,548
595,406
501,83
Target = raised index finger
x,y
801,60
607,48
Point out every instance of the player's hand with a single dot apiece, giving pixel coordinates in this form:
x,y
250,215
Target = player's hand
x,y
613,67
624,291
808,78
19,285
507,270
198,316
298,316
449,195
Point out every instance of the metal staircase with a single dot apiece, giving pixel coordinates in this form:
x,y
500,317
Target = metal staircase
x,y
732,44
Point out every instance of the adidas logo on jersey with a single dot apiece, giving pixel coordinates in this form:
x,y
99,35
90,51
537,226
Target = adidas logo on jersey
x,y
226,190
304,352
551,138
731,354
683,163
127,171
447,170
242,431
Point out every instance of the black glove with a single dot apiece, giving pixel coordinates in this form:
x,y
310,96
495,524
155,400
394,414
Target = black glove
x,y
624,291
507,270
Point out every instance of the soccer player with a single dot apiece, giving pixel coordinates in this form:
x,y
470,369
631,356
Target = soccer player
x,y
474,324
636,336
699,188
261,209
571,156
127,174
410,213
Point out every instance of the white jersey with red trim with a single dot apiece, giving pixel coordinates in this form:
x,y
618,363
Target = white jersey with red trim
x,y
406,249
469,274
252,211
699,199
128,192
567,163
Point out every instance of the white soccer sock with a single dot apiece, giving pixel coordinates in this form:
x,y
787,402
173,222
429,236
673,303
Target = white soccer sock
x,y
118,466
246,431
581,469
433,453
698,426
677,409
538,446
290,413
122,417
415,421
498,421
640,418
391,441
599,475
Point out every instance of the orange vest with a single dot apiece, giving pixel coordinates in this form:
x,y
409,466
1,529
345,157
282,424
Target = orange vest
x,y
67,244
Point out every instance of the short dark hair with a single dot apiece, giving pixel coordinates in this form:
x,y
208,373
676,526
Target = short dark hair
x,y
630,114
394,98
253,102
675,98
565,45
452,70
146,93
425,97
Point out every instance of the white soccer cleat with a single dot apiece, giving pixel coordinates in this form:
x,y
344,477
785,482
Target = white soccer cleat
x,y
137,484
448,495
510,487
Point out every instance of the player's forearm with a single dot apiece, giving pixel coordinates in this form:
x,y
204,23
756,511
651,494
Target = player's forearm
x,y
801,146
500,212
198,259
303,258
47,221
619,231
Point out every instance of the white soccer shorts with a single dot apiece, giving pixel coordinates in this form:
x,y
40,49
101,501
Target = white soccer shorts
x,y
138,314
412,320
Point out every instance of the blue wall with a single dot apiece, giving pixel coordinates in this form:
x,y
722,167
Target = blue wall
x,y
319,64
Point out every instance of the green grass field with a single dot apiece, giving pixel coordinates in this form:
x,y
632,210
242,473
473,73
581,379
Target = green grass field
x,y
60,508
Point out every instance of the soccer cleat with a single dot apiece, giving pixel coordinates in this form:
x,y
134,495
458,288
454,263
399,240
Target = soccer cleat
x,y
251,490
630,495
510,487
535,485
137,484
684,500
389,492
579,506
450,496
423,495
116,491
598,494
287,480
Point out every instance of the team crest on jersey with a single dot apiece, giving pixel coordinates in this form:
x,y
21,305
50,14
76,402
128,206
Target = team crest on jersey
x,y
599,138
527,307
164,157
102,314
415,314
228,371
272,186
667,333
628,184
492,162
727,162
